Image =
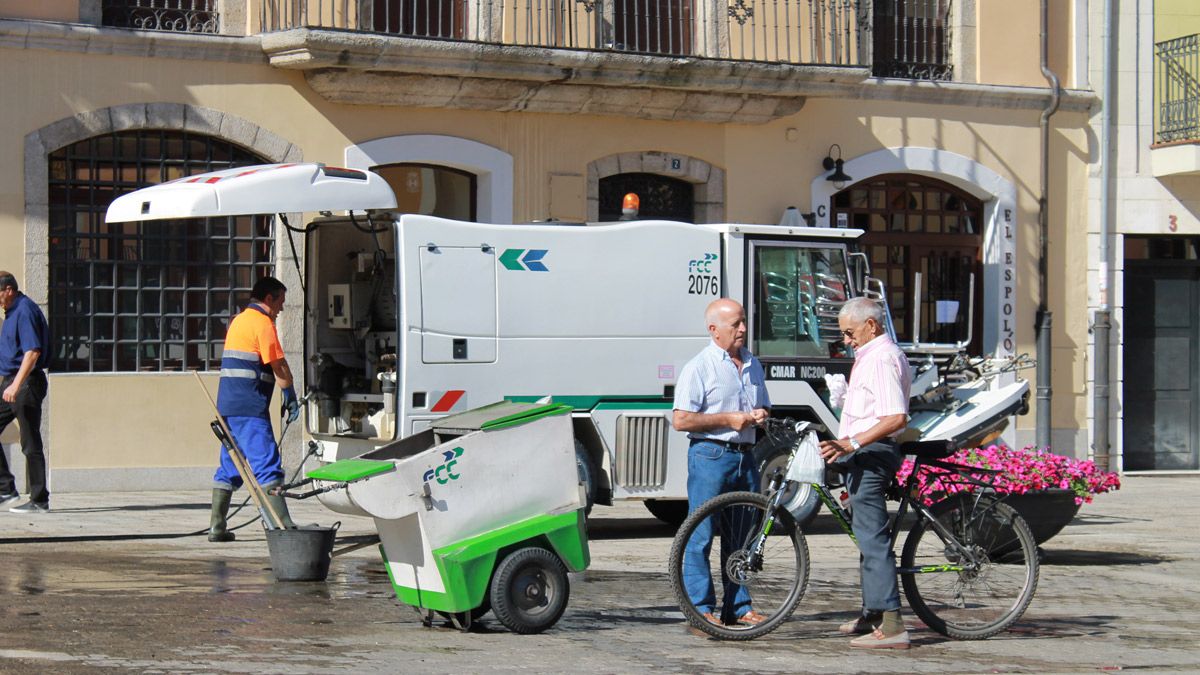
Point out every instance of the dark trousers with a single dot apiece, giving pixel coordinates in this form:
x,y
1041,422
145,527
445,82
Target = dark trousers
x,y
27,411
869,472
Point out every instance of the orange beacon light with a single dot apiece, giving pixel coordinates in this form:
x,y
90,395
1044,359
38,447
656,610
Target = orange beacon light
x,y
629,206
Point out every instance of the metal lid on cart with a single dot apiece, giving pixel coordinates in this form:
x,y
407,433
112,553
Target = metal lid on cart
x,y
498,416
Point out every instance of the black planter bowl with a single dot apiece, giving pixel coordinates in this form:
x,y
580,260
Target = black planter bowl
x,y
1046,512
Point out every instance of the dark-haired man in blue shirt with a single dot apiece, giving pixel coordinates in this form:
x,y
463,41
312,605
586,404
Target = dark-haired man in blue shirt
x,y
24,339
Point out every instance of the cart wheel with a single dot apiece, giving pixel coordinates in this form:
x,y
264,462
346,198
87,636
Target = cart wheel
x,y
529,590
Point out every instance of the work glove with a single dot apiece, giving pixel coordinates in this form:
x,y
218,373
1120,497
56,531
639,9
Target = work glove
x,y
291,404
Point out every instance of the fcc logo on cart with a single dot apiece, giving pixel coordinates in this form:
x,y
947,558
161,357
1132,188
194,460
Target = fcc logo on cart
x,y
445,472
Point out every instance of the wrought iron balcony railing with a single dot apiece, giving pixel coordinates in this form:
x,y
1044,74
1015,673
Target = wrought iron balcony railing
x,y
180,16
812,32
1177,66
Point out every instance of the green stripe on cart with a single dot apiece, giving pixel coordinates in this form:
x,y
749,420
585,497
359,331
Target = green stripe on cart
x,y
347,470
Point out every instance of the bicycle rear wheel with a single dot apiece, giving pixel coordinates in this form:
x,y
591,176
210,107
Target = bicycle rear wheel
x,y
732,568
961,599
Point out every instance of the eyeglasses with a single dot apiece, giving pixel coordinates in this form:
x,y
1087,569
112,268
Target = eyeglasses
x,y
849,332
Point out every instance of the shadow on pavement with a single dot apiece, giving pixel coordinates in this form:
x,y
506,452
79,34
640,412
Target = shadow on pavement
x,y
1098,558
628,528
135,507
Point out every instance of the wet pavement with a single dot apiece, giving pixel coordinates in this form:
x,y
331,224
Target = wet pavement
x,y
103,583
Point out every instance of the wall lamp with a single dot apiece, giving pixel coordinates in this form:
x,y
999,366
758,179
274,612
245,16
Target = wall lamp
x,y
838,177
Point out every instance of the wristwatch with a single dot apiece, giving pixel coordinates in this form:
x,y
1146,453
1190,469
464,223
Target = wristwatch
x,y
854,444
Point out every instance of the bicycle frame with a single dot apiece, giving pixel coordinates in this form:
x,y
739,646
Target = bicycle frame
x,y
780,484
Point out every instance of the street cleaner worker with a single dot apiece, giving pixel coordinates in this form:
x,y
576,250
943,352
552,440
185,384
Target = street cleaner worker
x,y
874,412
251,365
720,397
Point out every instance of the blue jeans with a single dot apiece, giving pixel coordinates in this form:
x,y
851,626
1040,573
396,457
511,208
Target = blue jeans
x,y
714,470
257,441
869,472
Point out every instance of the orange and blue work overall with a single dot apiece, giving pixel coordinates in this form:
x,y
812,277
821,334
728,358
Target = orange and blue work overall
x,y
244,397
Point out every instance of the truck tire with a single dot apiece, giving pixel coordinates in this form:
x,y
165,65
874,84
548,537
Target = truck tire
x,y
587,476
670,511
771,454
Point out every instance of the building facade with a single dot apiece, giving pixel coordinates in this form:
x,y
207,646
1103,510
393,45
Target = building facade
x,y
1149,277
518,110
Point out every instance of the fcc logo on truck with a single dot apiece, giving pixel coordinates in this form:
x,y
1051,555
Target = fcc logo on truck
x,y
702,275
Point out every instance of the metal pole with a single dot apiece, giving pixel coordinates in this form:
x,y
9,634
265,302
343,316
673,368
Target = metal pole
x,y
1044,318
1102,321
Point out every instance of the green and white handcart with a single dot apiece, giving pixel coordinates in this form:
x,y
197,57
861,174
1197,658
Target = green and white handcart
x,y
481,511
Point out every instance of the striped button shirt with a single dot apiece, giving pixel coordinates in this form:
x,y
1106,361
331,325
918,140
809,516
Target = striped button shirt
x,y
711,383
879,386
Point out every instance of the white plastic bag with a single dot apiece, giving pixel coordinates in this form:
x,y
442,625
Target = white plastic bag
x,y
808,466
837,389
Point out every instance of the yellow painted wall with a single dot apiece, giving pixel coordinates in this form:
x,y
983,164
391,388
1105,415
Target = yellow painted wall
x,y
115,420
45,10
1175,18
1009,41
132,420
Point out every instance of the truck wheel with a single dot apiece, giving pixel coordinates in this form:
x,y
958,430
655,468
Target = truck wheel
x,y
771,455
670,511
587,476
529,591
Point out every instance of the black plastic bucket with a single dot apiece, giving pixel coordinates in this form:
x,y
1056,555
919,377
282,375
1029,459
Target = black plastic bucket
x,y
303,553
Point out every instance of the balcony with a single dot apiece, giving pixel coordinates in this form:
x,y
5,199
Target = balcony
x,y
1177,98
744,61
179,16
808,32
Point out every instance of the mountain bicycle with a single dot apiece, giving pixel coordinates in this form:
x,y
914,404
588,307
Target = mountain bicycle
x,y
969,565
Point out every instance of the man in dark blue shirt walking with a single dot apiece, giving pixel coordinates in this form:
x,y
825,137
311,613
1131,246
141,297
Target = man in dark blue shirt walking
x,y
24,343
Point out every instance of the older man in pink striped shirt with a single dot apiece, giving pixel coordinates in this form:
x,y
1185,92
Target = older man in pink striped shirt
x,y
875,411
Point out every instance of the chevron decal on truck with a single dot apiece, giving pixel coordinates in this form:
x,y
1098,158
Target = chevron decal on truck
x,y
448,401
513,259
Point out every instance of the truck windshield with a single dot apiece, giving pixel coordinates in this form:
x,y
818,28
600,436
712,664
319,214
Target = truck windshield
x,y
797,293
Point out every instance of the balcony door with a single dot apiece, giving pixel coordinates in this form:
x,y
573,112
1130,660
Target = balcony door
x,y
911,39
420,18
653,26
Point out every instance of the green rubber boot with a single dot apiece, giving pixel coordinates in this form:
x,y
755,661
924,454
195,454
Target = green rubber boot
x,y
217,528
279,504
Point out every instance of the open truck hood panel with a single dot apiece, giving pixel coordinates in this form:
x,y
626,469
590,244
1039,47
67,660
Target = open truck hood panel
x,y
250,190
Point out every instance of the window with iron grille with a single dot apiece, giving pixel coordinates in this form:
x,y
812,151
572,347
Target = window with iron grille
x,y
149,296
912,39
180,16
660,196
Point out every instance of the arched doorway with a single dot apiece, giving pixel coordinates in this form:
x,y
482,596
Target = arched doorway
x,y
917,224
432,190
660,197
706,180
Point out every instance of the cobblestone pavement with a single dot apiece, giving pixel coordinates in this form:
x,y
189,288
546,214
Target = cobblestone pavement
x,y
100,584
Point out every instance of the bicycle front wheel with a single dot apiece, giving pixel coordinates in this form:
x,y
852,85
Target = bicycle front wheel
x,y
733,554
959,598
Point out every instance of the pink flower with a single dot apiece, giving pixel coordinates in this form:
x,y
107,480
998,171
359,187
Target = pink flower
x,y
1026,470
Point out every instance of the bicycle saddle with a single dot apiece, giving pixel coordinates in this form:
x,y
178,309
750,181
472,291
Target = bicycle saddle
x,y
928,449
